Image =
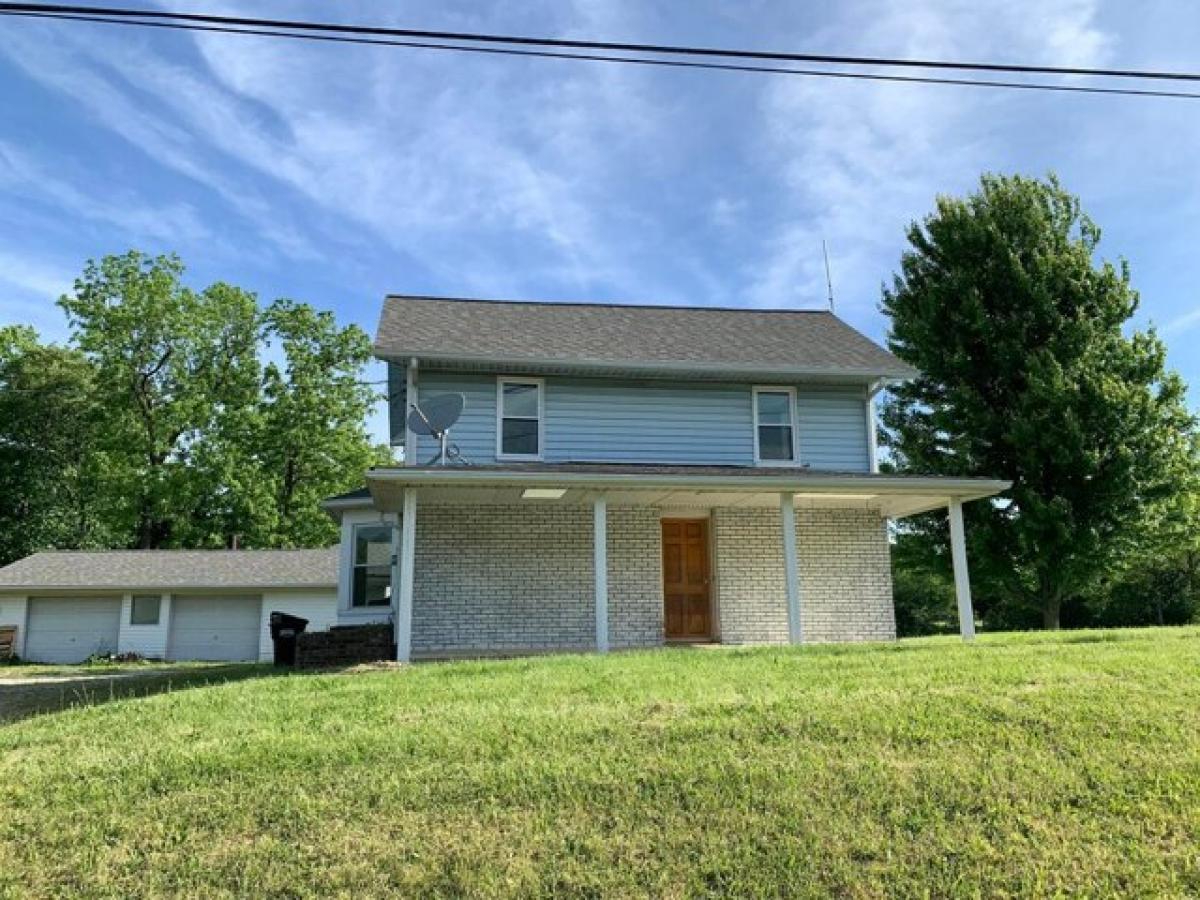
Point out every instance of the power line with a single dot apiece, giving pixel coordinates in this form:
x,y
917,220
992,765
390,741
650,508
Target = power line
x,y
6,9
669,49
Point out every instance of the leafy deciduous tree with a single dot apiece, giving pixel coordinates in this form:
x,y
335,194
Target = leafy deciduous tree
x,y
1027,374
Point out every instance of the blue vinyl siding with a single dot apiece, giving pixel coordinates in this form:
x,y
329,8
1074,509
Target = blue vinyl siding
x,y
475,432
632,421
833,429
593,420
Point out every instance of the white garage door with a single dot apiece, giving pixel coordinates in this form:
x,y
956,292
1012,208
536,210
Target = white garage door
x,y
214,628
70,629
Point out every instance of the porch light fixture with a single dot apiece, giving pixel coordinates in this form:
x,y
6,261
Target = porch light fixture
x,y
543,493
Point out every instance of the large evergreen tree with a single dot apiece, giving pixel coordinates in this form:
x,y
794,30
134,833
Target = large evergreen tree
x,y
1027,373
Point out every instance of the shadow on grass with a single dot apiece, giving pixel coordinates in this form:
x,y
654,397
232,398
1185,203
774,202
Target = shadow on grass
x,y
36,696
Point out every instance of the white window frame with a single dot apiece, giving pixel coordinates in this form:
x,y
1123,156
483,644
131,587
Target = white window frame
x,y
354,566
501,381
791,393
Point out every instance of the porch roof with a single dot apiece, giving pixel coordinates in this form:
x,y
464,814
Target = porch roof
x,y
669,486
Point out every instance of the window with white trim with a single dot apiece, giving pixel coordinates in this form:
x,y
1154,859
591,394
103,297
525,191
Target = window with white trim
x,y
519,418
774,425
371,582
144,609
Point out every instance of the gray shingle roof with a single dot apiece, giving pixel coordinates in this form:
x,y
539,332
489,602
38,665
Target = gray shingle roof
x,y
618,336
173,569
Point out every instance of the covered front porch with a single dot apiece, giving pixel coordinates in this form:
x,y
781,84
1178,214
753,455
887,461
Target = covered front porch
x,y
510,559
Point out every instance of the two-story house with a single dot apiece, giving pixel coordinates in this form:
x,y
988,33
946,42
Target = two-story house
x,y
628,476
623,476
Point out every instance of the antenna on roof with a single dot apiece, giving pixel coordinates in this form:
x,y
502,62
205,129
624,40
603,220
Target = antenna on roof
x,y
828,277
433,418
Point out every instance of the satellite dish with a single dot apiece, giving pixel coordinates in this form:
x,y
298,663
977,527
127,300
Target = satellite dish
x,y
435,416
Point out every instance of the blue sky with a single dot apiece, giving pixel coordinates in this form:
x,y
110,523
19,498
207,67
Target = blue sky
x,y
335,174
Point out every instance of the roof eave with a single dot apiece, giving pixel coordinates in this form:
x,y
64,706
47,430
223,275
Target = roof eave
x,y
965,489
163,588
650,367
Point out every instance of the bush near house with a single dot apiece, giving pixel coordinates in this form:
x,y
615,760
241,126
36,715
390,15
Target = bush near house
x,y
1023,765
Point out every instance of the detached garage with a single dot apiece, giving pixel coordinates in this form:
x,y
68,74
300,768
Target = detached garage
x,y
214,628
163,604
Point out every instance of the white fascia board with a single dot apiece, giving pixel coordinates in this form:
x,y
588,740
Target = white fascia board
x,y
655,367
962,488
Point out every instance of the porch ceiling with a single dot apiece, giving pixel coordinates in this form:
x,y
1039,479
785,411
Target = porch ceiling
x,y
671,487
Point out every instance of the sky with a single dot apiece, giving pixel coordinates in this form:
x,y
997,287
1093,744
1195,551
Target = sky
x,y
335,174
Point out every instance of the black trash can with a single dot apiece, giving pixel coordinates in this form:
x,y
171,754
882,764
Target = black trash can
x,y
284,629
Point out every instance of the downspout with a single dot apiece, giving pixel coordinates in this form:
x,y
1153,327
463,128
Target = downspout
x,y
872,438
410,400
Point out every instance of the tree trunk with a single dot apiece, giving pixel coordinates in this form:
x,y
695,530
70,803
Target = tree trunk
x,y
1051,608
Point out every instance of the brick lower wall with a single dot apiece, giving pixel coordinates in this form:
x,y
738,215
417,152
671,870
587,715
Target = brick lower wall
x,y
519,578
516,578
751,591
845,576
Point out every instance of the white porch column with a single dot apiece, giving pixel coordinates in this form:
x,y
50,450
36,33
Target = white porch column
x,y
962,579
600,569
787,515
404,572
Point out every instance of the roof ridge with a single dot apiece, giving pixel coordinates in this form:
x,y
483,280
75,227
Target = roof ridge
x,y
609,304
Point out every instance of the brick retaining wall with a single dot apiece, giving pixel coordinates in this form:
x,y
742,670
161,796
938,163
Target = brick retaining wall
x,y
345,645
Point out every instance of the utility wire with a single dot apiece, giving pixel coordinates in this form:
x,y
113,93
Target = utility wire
x,y
8,9
669,49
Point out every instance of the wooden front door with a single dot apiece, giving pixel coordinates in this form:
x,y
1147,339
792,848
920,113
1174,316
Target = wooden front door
x,y
686,578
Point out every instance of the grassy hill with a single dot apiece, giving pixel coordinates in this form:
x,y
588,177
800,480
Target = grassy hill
x,y
1025,764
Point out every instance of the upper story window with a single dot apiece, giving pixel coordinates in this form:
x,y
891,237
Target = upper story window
x,y
775,425
372,570
519,418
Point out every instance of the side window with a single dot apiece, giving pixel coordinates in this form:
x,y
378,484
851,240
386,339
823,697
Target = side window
x,y
372,582
774,425
519,418
145,609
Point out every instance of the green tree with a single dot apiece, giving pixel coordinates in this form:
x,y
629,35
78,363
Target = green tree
x,y
1027,374
50,470
170,362
311,439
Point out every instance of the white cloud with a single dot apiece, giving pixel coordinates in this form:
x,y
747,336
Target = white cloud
x,y
1185,322
29,289
23,176
80,66
861,160
522,154
33,277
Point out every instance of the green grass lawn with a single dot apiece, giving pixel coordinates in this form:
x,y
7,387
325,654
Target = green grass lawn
x,y
1022,765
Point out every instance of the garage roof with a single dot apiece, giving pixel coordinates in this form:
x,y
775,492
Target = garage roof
x,y
173,569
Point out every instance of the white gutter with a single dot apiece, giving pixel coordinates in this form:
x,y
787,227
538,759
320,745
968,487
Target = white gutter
x,y
649,365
